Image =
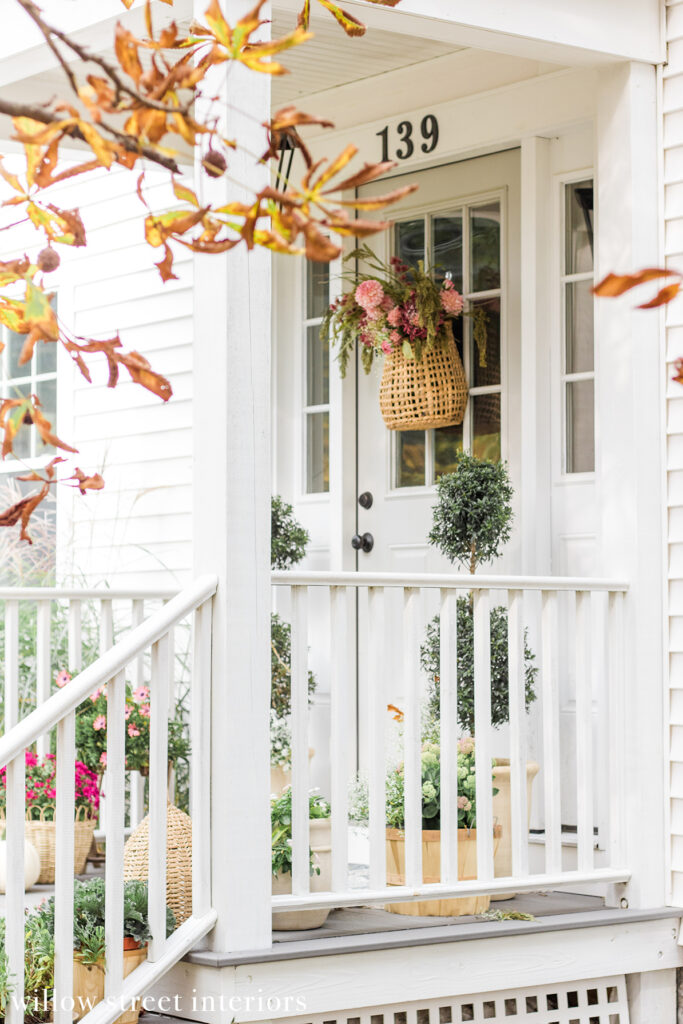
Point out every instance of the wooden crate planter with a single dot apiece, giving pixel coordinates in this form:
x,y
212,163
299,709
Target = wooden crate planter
x,y
89,983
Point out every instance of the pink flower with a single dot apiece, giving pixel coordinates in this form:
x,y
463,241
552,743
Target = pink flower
x,y
51,793
369,294
30,795
464,804
129,711
94,696
394,316
30,759
145,710
62,678
141,694
99,723
103,757
374,313
451,301
395,338
387,347
133,730
466,745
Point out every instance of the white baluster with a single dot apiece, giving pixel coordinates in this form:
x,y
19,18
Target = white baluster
x,y
200,764
11,664
75,637
551,733
448,689
411,739
617,718
584,733
158,774
137,676
518,741
106,641
64,869
376,731
43,666
14,899
115,787
482,732
300,780
339,735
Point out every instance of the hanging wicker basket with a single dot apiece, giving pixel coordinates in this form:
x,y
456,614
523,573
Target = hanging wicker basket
x,y
430,393
178,860
43,835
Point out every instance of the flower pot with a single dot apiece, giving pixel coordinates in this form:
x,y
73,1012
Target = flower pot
x,y
321,845
43,835
281,778
31,865
502,815
431,872
89,982
430,393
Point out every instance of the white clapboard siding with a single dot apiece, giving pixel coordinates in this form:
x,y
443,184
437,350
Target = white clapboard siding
x,y
672,135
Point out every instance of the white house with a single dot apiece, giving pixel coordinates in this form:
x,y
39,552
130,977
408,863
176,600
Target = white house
x,y
557,129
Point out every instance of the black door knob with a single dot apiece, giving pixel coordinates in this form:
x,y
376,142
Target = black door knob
x,y
365,499
365,543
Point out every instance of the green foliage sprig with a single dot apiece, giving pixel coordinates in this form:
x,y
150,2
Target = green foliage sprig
x,y
281,823
288,538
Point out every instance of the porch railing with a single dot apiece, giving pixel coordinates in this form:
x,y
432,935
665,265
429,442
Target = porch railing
x,y
154,636
369,627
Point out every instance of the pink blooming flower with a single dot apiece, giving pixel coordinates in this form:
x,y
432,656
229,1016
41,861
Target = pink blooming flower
x,y
374,313
369,294
387,347
464,804
145,710
103,757
129,711
451,301
94,696
62,678
141,694
133,730
394,316
466,745
51,793
99,723
395,338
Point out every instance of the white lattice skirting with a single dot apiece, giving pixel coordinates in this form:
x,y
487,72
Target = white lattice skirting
x,y
596,1001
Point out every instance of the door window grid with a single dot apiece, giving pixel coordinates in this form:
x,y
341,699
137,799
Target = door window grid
x,y
577,372
39,377
420,457
316,403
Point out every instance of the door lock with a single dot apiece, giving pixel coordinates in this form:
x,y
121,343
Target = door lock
x,y
365,499
365,543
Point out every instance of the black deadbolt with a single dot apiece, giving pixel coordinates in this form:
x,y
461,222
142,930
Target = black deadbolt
x,y
365,499
365,543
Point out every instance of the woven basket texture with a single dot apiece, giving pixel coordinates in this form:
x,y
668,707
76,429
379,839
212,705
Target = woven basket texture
x,y
43,835
178,860
425,394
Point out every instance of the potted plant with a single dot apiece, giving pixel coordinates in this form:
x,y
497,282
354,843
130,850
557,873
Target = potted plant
x,y
320,853
404,314
41,803
288,540
472,521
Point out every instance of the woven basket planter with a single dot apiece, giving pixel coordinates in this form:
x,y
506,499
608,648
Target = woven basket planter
x,y
430,393
178,860
43,835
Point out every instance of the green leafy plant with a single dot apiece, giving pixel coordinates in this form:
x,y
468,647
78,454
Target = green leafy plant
x,y
281,824
288,538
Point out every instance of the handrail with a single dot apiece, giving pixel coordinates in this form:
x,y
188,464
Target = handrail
x,y
85,594
445,581
115,660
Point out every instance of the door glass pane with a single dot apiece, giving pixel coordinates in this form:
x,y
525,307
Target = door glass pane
x,y
579,325
488,353
47,395
410,458
317,368
578,227
485,246
447,248
580,427
447,444
46,356
15,343
317,452
486,427
410,241
317,289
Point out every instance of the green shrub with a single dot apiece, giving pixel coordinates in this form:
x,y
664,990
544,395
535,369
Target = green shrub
x,y
281,825
288,538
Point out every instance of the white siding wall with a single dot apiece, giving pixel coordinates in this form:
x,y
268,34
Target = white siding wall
x,y
672,110
139,528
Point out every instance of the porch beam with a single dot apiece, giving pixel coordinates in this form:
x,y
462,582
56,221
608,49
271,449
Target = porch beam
x,y
231,519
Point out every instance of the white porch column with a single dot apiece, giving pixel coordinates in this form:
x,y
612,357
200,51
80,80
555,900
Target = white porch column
x,y
628,404
231,518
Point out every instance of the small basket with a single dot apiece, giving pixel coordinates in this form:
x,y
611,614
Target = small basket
x,y
431,392
43,835
178,860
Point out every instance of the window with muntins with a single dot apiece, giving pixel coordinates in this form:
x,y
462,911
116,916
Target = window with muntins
x,y
37,377
578,342
466,243
316,381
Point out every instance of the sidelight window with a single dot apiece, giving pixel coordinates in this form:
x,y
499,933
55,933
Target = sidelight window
x,y
316,381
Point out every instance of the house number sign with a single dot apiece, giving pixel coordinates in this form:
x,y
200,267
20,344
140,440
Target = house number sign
x,y
402,142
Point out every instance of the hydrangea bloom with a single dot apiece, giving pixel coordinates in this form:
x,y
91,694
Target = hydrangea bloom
x,y
369,294
452,301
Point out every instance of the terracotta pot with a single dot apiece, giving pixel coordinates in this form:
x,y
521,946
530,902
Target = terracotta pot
x,y
280,777
502,815
299,920
431,872
89,983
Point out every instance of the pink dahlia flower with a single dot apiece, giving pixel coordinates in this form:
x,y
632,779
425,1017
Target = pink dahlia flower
x,y
452,301
394,316
369,295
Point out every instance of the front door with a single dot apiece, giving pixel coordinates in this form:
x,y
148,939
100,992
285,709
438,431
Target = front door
x,y
464,219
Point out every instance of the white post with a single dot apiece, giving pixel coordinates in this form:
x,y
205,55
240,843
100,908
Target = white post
x,y
231,523
628,397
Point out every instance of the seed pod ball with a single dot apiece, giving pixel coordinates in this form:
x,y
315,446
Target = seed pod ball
x,y
215,163
48,260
